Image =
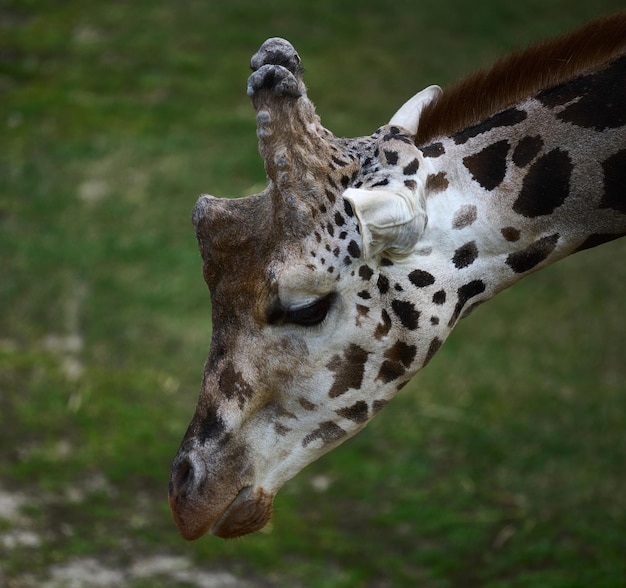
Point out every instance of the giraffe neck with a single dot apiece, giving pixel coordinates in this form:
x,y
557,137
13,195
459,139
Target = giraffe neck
x,y
530,185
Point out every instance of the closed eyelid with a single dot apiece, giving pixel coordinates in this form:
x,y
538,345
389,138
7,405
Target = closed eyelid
x,y
310,314
306,312
294,306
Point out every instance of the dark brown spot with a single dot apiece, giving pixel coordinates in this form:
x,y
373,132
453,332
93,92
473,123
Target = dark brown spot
x,y
421,279
488,167
328,432
383,284
435,345
233,386
279,410
439,297
211,426
361,311
348,370
614,196
546,185
306,404
506,118
357,412
407,313
465,216
510,234
391,157
437,182
401,352
365,272
411,168
383,328
465,293
390,371
527,149
465,255
433,150
378,405
281,429
533,255
602,98
353,249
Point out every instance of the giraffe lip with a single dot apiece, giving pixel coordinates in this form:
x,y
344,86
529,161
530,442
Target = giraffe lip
x,y
249,512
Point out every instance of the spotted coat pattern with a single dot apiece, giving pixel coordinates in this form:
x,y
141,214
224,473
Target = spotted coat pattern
x,y
311,338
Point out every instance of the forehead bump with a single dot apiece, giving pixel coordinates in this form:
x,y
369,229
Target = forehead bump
x,y
222,226
224,223
206,212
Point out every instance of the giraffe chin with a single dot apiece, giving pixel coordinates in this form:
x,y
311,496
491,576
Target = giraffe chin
x,y
248,512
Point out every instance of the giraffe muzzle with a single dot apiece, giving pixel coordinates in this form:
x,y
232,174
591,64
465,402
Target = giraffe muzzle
x,y
208,500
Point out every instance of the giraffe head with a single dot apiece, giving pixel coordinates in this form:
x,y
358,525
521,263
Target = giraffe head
x,y
315,325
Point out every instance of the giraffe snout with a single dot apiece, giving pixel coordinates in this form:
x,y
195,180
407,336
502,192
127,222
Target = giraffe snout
x,y
211,491
194,509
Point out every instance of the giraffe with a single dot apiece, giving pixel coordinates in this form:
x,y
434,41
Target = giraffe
x,y
336,284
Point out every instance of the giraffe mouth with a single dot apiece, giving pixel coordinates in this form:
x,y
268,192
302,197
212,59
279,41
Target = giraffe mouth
x,y
214,504
249,512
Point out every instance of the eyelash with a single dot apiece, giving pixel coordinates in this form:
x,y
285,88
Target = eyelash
x,y
311,314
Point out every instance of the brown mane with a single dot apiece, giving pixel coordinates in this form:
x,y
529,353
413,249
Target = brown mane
x,y
523,74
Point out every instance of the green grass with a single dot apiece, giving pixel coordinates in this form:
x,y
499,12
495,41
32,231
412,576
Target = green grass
x,y
501,465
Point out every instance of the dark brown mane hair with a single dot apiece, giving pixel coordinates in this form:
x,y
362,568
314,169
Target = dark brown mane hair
x,y
523,74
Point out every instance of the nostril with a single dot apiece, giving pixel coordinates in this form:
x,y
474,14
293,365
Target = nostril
x,y
182,478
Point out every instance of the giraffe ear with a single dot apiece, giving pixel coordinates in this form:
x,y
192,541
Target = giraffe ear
x,y
409,113
390,221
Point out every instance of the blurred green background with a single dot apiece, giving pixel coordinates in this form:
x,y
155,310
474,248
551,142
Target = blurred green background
x,y
503,464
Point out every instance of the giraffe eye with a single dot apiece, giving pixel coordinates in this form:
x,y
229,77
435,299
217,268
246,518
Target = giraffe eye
x,y
311,314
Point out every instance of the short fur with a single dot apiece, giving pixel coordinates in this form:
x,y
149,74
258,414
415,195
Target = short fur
x,y
523,74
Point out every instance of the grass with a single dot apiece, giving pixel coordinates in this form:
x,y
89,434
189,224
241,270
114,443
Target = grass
x,y
501,465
